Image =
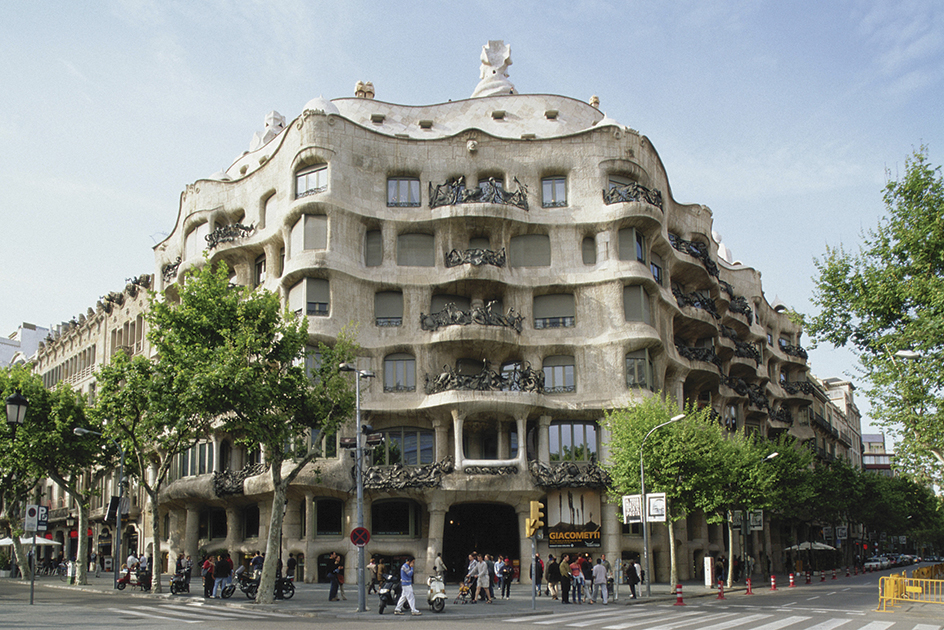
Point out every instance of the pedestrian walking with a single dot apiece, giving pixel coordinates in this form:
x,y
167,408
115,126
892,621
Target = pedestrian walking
x,y
207,572
440,567
406,584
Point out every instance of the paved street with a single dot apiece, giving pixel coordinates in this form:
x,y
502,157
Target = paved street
x,y
845,603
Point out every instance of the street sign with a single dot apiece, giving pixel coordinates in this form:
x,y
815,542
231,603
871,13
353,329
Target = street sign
x,y
360,536
32,518
42,519
632,510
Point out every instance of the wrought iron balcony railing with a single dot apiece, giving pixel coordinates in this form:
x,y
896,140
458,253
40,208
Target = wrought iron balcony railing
x,y
476,257
452,315
632,192
454,192
525,379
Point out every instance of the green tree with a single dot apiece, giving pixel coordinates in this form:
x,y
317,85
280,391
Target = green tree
x,y
139,407
234,354
681,459
47,446
889,298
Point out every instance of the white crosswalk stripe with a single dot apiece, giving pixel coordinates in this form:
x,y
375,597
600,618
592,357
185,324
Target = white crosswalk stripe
x,y
703,619
195,613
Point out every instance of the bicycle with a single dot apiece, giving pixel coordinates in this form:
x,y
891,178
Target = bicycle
x,y
62,571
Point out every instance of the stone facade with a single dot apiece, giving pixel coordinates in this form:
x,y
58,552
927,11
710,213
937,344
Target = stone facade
x,y
514,265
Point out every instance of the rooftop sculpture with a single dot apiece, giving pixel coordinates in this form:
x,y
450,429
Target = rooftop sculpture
x,y
496,57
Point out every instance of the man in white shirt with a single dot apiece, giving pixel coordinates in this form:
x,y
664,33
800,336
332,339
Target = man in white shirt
x,y
599,582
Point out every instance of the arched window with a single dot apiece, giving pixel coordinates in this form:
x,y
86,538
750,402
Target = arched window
x,y
406,446
312,180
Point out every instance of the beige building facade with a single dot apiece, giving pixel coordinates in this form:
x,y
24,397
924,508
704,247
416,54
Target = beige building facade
x,y
514,266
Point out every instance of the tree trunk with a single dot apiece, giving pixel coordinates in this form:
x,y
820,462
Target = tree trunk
x,y
673,566
21,556
155,530
729,579
273,543
81,554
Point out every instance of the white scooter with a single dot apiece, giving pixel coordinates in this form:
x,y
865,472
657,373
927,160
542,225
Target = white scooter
x,y
436,596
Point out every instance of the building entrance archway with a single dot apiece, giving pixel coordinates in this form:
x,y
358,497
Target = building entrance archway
x,y
488,528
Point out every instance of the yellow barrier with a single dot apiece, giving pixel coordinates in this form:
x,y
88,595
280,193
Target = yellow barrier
x,y
895,589
933,572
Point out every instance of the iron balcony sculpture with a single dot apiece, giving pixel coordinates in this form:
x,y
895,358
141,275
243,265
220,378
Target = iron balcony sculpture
x,y
454,192
452,315
475,257
524,379
228,234
632,192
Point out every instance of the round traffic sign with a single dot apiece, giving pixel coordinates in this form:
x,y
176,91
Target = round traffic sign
x,y
360,536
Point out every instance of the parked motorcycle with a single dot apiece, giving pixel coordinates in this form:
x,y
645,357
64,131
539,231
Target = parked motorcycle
x,y
436,595
136,579
389,591
180,583
247,584
287,585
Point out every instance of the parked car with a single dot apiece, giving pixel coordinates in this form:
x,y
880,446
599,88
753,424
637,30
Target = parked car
x,y
877,563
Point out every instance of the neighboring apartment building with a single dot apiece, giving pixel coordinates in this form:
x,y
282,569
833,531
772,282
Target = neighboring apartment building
x,y
516,266
21,344
875,458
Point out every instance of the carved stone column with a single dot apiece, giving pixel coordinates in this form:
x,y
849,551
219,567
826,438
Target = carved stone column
x,y
437,520
523,510
311,574
234,534
504,439
457,420
612,534
216,453
192,533
544,452
521,423
441,429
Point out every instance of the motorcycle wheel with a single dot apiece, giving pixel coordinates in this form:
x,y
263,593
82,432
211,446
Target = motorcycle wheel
x,y
381,609
439,604
173,588
288,590
252,590
121,586
227,591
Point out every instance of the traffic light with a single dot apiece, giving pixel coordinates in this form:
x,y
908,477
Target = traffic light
x,y
536,521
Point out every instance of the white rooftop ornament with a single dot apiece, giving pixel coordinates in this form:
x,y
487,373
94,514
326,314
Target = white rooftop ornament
x,y
274,124
321,104
496,57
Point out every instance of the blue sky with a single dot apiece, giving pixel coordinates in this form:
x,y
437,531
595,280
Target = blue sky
x,y
782,117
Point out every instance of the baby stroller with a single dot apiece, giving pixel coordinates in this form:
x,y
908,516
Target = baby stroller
x,y
465,593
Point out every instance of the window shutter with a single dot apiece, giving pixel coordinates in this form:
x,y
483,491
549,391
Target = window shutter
x,y
316,231
530,250
388,304
373,248
555,305
415,250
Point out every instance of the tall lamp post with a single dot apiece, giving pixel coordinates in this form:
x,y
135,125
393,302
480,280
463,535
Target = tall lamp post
x,y
645,508
116,543
359,456
16,413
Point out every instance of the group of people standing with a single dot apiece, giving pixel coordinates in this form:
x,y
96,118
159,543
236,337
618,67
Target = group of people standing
x,y
576,578
484,572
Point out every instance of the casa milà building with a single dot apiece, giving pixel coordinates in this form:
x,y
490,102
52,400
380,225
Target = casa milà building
x,y
515,265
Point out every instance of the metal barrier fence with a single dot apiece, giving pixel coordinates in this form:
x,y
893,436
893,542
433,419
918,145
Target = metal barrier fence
x,y
933,572
894,590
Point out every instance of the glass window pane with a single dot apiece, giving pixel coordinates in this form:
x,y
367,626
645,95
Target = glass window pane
x,y
554,442
395,450
410,449
426,447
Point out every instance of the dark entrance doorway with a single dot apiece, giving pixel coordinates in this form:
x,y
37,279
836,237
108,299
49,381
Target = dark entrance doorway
x,y
483,527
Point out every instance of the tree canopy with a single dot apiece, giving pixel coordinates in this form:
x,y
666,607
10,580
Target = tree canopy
x,y
235,357
888,298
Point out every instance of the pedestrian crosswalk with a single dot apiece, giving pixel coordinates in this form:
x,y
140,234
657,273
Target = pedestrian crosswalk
x,y
668,618
195,613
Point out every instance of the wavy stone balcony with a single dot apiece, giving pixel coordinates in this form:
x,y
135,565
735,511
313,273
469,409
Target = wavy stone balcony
x,y
705,355
696,300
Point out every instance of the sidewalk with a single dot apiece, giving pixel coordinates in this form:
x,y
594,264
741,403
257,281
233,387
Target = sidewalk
x,y
311,600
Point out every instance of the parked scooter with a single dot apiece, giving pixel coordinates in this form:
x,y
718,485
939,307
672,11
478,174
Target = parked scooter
x,y
436,596
180,583
250,586
389,591
136,579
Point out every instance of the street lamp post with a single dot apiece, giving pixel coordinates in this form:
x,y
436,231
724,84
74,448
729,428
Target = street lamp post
x,y
116,543
644,510
359,475
16,411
